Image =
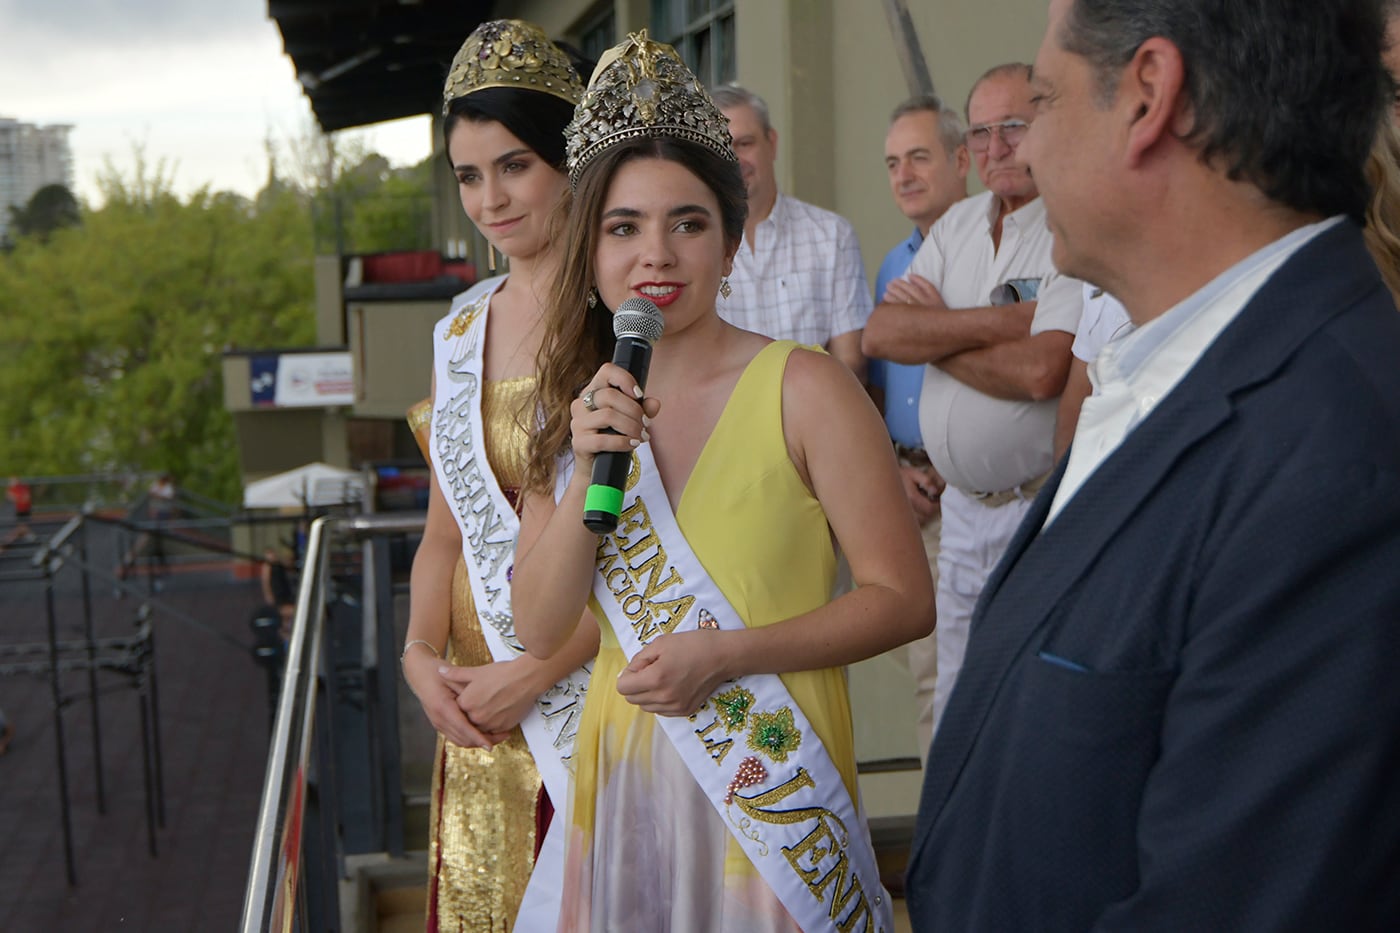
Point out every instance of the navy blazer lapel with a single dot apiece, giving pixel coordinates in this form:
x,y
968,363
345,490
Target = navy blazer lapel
x,y
1039,568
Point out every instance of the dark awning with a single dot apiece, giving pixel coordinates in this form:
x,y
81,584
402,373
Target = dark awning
x,y
366,61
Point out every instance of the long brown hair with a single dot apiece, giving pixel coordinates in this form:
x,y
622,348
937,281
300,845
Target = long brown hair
x,y
578,339
1383,213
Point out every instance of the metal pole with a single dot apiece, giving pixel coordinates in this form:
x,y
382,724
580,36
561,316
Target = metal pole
x,y
159,759
93,701
142,700
907,48
380,602
58,724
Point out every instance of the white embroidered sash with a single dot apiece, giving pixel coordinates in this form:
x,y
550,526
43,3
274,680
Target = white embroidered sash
x,y
750,748
490,527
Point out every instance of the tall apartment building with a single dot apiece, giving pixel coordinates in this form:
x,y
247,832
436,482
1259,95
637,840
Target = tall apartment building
x,y
30,158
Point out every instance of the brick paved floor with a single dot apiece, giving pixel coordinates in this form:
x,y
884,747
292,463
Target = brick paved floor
x,y
213,710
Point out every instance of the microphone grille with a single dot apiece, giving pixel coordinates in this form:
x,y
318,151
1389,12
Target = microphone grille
x,y
637,317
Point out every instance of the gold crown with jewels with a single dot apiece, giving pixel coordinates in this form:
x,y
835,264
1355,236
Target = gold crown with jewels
x,y
642,88
511,53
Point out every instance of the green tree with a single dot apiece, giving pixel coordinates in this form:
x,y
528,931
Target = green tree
x,y
111,333
360,203
397,214
371,207
51,208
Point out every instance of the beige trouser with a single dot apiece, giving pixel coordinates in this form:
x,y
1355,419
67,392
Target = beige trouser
x,y
923,654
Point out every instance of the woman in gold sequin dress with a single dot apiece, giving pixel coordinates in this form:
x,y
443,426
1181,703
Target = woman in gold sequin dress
x,y
507,99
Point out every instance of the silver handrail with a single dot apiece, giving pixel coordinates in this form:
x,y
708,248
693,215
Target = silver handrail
x,y
274,873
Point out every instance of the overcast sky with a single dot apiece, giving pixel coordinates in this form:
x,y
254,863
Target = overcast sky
x,y
198,83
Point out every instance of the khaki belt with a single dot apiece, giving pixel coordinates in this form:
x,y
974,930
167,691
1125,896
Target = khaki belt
x,y
1026,490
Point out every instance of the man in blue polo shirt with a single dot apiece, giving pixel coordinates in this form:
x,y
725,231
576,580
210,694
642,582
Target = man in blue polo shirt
x,y
927,163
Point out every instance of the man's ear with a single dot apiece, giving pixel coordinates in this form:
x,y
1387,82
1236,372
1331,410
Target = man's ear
x,y
1151,95
962,161
773,140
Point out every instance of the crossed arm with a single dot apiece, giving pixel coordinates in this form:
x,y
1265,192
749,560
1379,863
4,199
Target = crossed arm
x,y
989,348
1077,389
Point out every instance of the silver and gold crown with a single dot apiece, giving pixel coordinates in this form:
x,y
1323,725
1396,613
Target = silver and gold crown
x,y
642,88
511,53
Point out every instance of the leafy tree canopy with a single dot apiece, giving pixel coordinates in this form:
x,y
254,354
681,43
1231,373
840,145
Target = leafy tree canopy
x,y
111,333
51,208
360,203
112,330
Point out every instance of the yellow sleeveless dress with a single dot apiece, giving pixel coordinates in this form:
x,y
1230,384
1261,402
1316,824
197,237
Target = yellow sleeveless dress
x,y
647,852
483,829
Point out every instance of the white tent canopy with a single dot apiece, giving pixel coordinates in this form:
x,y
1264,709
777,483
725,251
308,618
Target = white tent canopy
x,y
315,484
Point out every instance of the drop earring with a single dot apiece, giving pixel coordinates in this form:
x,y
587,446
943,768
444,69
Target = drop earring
x,y
724,288
593,298
490,257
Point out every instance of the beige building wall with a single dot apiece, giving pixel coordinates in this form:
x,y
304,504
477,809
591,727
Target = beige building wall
x,y
961,39
830,73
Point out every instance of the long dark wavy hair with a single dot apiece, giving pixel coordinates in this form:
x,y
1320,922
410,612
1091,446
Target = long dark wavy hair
x,y
535,118
578,339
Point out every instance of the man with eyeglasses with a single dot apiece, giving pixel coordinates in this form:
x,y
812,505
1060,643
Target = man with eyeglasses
x,y
983,307
927,162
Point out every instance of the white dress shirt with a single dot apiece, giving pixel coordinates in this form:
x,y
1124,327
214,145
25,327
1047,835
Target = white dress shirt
x,y
1132,375
1104,319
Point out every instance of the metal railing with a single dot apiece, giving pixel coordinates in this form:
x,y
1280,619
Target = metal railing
x,y
126,660
296,850
73,492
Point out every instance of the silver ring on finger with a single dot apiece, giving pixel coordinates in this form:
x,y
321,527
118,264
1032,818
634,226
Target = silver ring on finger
x,y
588,401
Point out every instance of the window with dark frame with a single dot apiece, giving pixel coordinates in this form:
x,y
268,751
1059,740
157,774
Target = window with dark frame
x,y
598,33
702,32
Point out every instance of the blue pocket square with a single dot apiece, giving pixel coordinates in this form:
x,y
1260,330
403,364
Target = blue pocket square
x,y
1058,661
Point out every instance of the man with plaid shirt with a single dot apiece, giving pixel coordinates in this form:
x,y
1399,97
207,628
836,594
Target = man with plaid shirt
x,y
798,274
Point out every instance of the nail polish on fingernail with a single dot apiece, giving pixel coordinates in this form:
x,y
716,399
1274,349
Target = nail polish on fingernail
x,y
443,671
634,442
646,421
637,391
646,435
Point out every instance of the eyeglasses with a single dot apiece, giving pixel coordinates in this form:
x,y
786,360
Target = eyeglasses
x,y
1010,131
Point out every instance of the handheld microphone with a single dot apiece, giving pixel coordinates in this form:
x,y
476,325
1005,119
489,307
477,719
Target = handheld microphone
x,y
637,324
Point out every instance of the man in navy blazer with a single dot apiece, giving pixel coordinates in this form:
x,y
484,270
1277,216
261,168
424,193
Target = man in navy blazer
x,y
1180,706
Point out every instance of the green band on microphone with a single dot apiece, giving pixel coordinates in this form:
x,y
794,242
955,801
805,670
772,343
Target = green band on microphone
x,y
601,498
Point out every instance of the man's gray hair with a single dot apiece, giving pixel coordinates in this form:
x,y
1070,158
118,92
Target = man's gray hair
x,y
1299,134
1017,69
733,95
950,125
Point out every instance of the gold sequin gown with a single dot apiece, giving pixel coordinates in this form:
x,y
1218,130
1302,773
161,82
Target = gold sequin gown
x,y
484,809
